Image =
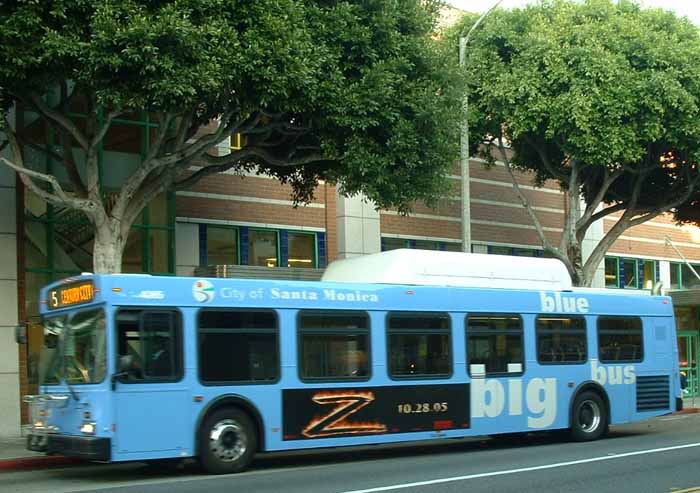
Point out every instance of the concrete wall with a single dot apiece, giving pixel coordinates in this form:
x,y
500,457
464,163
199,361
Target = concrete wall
x,y
358,227
593,236
9,353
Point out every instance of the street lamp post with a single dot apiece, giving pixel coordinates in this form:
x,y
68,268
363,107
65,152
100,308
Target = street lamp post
x,y
464,140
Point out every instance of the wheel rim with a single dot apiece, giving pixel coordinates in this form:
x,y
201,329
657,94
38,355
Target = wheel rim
x,y
589,416
227,440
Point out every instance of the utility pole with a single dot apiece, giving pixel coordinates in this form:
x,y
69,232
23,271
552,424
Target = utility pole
x,y
464,140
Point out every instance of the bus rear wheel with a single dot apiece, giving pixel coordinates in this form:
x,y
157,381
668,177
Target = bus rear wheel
x,y
589,417
227,441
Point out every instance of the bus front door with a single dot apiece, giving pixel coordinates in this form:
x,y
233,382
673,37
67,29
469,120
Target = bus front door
x,y
151,398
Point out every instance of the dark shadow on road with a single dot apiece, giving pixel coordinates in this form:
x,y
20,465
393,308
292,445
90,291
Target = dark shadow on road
x,y
139,471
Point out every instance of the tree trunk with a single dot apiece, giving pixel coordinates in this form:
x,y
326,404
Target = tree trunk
x,y
109,247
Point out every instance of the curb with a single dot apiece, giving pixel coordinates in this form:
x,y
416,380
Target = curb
x,y
688,410
37,462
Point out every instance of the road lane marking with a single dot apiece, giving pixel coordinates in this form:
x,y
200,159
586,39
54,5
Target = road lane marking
x,y
522,469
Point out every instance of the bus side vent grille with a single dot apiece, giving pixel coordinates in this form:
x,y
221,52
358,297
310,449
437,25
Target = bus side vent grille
x,y
653,393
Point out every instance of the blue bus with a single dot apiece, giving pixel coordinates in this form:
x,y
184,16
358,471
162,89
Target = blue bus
x,y
140,367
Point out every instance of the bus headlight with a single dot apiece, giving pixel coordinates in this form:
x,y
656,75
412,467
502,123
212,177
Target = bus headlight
x,y
88,427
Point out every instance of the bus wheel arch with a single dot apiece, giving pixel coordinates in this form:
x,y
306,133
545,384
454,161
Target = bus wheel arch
x,y
231,415
589,412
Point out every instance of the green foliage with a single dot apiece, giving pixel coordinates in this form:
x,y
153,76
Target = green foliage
x,y
371,87
605,84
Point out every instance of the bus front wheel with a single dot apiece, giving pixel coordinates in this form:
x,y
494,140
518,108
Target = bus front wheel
x,y
227,441
589,418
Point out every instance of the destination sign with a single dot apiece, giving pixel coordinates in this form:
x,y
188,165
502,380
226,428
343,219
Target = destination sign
x,y
71,294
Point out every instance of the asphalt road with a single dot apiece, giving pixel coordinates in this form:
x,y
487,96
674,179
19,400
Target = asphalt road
x,y
662,455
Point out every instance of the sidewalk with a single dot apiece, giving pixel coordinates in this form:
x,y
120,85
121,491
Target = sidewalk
x,y
14,454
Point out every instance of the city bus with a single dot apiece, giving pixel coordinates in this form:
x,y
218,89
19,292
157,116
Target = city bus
x,y
399,346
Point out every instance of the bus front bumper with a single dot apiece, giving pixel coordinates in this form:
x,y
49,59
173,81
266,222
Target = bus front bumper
x,y
89,448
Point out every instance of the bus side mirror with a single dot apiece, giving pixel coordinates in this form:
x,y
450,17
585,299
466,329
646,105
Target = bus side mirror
x,y
21,334
126,363
125,367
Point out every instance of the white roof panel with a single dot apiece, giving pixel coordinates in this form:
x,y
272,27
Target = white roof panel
x,y
433,268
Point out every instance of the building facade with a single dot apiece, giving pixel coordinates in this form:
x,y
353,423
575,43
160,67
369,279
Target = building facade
x,y
250,224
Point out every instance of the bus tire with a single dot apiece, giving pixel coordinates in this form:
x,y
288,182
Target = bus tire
x,y
227,441
589,417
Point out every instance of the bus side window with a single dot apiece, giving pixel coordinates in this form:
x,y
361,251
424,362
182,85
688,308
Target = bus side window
x,y
334,345
152,341
238,346
561,339
620,339
496,342
419,345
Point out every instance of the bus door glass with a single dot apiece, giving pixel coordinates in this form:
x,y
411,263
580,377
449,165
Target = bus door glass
x,y
151,400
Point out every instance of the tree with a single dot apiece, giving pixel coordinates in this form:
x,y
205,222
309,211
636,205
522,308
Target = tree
x,y
359,94
603,98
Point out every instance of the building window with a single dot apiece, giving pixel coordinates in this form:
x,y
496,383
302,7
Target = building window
x,y
334,345
612,272
262,248
241,245
650,273
620,339
419,345
302,250
631,273
561,340
688,278
630,269
222,245
238,346
675,276
496,343
514,251
390,243
682,276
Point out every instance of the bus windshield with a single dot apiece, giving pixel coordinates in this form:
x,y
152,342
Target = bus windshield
x,y
75,348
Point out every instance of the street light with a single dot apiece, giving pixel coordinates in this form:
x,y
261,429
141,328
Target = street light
x,y
464,140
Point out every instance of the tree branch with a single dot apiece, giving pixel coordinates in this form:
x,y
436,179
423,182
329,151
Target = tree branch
x,y
545,161
590,216
157,144
521,195
53,115
526,204
59,197
202,144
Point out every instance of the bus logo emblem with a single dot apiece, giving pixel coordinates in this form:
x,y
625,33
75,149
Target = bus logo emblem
x,y
203,291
